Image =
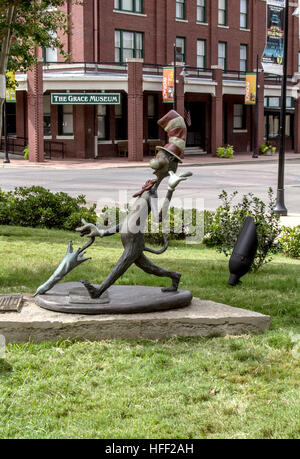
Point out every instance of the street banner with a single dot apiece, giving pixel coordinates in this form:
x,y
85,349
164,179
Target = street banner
x,y
168,85
250,93
273,53
11,92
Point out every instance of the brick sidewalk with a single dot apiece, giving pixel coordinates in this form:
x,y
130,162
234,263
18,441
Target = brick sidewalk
x,y
103,163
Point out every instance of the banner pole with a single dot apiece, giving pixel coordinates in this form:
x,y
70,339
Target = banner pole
x,y
280,207
255,154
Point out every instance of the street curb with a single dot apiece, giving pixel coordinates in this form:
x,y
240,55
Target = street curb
x,y
92,167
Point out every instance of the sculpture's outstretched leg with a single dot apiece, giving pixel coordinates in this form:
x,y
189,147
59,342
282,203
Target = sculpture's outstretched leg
x,y
120,267
146,265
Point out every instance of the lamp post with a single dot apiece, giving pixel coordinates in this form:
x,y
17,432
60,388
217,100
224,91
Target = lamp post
x,y
280,207
255,155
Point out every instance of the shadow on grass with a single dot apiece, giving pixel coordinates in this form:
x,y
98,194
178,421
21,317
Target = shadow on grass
x,y
5,367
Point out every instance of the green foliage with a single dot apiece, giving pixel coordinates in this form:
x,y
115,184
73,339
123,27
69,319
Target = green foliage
x,y
26,152
28,24
223,226
290,241
267,147
37,206
225,152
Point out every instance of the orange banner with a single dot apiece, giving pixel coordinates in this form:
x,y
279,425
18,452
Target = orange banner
x,y
250,94
168,85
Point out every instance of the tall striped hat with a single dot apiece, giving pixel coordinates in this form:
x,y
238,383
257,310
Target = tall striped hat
x,y
175,126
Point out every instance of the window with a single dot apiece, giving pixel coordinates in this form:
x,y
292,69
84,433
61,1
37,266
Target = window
x,y
47,115
50,54
298,62
136,6
120,119
180,9
244,58
222,12
152,117
201,54
65,119
180,49
222,51
244,14
201,10
128,44
239,118
102,124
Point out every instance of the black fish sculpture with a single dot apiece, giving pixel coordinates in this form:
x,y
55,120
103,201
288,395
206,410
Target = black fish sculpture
x,y
244,252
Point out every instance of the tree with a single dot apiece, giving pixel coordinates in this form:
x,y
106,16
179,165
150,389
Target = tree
x,y
26,25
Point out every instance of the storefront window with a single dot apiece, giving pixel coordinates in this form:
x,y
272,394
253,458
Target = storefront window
x,y
102,124
120,119
239,118
65,119
47,115
152,117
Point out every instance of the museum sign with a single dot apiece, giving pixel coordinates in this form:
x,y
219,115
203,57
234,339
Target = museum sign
x,y
85,98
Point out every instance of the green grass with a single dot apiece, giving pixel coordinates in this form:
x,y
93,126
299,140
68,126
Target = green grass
x,y
232,387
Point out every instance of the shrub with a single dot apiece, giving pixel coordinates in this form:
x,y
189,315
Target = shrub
x,y
265,147
37,206
223,226
290,241
26,152
225,152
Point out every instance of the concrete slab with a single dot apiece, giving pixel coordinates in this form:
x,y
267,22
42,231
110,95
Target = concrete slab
x,y
200,318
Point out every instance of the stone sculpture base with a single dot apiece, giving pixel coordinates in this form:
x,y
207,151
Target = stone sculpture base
x,y
123,299
200,318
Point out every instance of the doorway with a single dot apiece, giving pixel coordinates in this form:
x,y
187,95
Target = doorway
x,y
195,121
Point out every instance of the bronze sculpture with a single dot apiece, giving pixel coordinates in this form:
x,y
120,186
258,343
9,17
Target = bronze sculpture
x,y
132,229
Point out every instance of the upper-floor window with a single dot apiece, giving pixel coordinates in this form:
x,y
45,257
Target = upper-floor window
x,y
201,54
243,58
136,6
128,44
222,55
201,10
244,14
180,49
180,9
50,54
222,12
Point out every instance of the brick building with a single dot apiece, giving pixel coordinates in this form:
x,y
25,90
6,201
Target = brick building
x,y
121,46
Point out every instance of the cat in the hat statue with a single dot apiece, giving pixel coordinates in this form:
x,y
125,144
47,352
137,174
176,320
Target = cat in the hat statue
x,y
164,164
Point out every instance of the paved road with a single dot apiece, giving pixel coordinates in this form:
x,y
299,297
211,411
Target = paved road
x,y
206,182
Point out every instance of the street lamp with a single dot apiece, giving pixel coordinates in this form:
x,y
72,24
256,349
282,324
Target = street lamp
x,y
280,207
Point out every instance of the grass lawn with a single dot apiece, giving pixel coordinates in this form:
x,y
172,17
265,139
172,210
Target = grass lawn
x,y
231,387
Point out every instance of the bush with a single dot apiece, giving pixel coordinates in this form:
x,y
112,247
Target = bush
x,y
223,226
290,241
265,147
225,152
37,206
